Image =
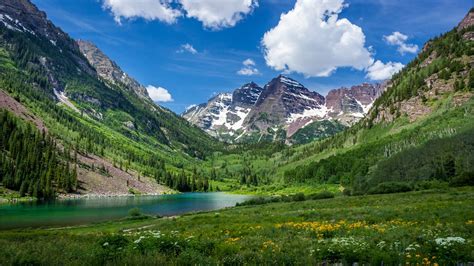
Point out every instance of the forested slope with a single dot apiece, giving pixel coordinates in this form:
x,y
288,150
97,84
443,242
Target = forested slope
x,y
43,69
420,130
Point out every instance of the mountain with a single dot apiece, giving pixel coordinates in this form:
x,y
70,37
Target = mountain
x,y
225,113
100,120
280,109
109,70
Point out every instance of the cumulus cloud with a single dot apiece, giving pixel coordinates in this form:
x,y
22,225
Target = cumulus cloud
x,y
187,48
312,40
159,94
248,68
399,39
147,9
218,14
381,71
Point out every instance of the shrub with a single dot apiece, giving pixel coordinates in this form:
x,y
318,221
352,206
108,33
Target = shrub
x,y
299,197
347,192
390,187
463,179
321,195
135,212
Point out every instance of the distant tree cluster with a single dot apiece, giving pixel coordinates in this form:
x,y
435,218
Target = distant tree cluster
x,y
183,182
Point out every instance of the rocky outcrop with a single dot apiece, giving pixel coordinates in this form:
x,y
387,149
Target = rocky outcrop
x,y
349,105
468,21
109,70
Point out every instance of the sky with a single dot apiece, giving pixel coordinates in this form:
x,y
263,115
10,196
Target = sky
x,y
185,51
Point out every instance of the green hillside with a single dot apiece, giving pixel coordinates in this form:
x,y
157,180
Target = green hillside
x,y
418,133
107,120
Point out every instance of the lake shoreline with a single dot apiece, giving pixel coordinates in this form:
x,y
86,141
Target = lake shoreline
x,y
100,208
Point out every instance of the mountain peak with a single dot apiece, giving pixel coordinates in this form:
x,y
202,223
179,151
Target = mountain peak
x,y
109,70
247,95
288,81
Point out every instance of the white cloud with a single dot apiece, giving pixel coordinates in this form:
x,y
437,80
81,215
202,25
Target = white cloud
x,y
218,14
312,40
248,68
399,39
187,48
159,94
381,71
248,71
248,62
147,9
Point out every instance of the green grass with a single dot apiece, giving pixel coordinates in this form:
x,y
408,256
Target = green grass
x,y
416,227
282,189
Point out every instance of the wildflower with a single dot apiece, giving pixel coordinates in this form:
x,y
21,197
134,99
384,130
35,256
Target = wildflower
x,y
449,241
105,244
232,240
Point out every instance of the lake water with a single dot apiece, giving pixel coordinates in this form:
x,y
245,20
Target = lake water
x,y
90,210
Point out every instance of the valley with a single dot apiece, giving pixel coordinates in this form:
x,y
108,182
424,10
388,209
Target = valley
x,y
96,171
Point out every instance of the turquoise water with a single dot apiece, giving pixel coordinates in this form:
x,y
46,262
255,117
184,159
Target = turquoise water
x,y
84,211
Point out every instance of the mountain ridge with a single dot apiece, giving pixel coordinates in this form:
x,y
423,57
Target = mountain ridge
x,y
279,109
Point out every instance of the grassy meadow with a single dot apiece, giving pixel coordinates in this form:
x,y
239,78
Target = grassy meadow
x,y
431,227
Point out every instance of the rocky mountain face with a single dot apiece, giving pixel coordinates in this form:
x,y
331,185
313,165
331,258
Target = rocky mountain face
x,y
280,109
224,114
23,16
467,22
348,105
109,70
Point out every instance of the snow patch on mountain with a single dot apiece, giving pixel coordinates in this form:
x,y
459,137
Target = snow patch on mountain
x,y
290,82
8,21
307,113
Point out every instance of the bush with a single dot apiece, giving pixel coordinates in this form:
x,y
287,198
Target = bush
x,y
299,197
347,192
463,179
321,195
390,187
135,212
431,184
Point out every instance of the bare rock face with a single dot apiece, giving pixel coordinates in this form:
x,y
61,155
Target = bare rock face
x,y
468,21
283,102
109,70
224,114
279,109
349,105
247,95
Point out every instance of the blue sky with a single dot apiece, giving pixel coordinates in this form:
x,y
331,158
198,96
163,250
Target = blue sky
x,y
149,44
